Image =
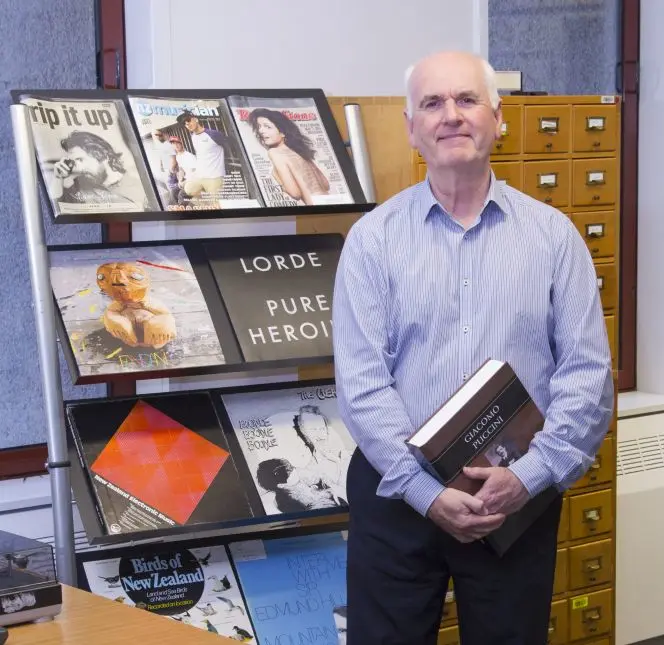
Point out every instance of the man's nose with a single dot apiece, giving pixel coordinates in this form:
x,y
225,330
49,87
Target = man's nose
x,y
451,112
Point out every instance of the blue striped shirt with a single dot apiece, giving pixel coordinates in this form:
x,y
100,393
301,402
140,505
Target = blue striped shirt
x,y
420,303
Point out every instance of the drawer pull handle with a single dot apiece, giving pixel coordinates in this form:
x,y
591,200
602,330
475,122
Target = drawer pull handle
x,y
592,515
592,616
594,565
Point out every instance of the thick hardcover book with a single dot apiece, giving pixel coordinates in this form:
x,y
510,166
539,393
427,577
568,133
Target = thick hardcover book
x,y
157,462
489,421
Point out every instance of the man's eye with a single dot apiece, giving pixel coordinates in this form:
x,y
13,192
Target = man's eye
x,y
466,100
433,104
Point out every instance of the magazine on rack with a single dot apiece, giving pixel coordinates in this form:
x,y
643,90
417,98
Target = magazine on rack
x,y
89,157
295,445
290,151
194,153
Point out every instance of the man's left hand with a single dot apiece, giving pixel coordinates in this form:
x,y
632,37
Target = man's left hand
x,y
502,491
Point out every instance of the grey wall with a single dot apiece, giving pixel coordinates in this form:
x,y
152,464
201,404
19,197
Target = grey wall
x,y
45,45
561,46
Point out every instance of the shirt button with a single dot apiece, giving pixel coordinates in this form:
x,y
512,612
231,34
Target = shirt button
x,y
465,377
466,328
466,282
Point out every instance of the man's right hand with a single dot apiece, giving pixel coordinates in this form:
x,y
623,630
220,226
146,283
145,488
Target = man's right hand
x,y
463,516
62,169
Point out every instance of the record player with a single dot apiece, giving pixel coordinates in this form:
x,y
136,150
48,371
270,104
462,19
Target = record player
x,y
29,589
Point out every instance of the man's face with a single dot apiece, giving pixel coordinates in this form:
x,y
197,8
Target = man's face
x,y
452,122
85,164
178,147
313,427
191,124
501,450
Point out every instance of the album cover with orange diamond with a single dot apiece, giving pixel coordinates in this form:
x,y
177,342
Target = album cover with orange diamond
x,y
157,462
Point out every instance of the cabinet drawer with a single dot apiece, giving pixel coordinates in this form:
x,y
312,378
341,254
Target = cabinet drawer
x,y
590,564
594,128
547,181
607,283
590,514
563,527
602,469
547,128
611,333
510,172
562,572
594,182
449,636
558,624
511,129
590,615
598,229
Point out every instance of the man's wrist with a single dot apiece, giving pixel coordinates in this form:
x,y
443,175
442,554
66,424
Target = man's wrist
x,y
422,491
532,472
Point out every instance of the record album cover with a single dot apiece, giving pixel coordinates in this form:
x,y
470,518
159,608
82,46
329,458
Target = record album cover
x,y
278,292
133,310
194,586
290,151
295,445
157,462
292,586
89,157
194,153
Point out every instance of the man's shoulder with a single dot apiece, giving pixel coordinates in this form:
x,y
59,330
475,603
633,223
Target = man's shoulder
x,y
397,209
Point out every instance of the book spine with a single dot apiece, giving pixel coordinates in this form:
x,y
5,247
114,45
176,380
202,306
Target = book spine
x,y
477,435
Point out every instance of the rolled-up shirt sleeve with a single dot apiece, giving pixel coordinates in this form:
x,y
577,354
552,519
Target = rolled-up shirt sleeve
x,y
369,404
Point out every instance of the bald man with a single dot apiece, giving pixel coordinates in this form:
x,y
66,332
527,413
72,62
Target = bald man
x,y
448,273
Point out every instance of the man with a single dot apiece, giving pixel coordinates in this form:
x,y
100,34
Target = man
x,y
210,158
163,165
441,277
93,172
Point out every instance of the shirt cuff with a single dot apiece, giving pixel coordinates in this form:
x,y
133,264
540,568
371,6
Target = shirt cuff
x,y
421,492
532,472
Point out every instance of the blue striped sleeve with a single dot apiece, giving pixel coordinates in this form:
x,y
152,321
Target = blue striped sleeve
x,y
581,387
370,406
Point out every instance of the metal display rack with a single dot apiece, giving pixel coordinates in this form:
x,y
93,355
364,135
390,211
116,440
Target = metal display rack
x,y
58,464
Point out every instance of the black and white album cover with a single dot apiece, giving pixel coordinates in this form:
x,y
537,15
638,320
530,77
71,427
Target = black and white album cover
x,y
89,157
278,292
295,445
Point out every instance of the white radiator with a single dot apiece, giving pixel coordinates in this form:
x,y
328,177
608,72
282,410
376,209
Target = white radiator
x,y
640,529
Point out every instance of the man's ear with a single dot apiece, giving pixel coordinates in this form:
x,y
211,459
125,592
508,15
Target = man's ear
x,y
409,127
498,113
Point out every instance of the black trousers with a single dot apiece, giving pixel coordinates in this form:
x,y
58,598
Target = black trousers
x,y
400,563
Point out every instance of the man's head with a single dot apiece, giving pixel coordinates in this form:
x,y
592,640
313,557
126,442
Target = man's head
x,y
189,120
91,155
453,111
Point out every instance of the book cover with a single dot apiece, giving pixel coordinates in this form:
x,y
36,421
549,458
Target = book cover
x,y
295,446
278,292
89,158
194,153
134,309
489,421
194,586
157,462
292,586
290,151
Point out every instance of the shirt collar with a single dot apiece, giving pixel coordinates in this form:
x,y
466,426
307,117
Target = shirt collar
x,y
496,195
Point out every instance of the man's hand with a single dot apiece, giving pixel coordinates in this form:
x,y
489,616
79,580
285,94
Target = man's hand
x,y
463,516
502,491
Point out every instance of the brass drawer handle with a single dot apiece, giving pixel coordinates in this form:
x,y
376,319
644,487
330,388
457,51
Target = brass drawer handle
x,y
592,515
